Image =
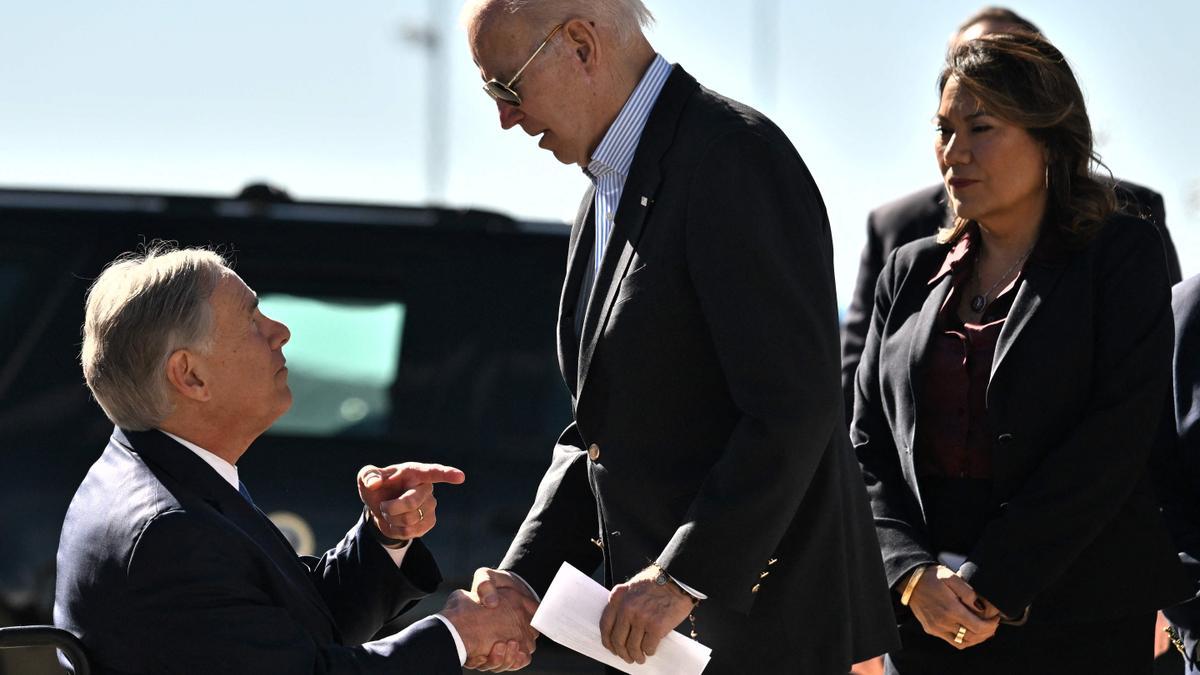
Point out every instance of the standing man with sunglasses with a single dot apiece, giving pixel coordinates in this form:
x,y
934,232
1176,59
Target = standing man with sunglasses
x,y
707,467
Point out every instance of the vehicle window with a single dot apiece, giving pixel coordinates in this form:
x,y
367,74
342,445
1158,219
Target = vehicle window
x,y
39,334
343,358
12,278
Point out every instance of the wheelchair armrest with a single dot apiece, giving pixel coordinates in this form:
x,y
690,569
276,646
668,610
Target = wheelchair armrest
x,y
14,637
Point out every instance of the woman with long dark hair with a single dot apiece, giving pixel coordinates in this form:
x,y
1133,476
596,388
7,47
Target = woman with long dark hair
x,y
1012,383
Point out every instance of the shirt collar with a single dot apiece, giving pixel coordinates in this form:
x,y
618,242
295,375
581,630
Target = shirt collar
x,y
226,470
955,257
616,149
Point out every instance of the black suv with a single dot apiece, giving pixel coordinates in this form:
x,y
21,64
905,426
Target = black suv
x,y
417,334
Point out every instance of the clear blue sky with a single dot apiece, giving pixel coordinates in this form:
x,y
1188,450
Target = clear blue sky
x,y
329,101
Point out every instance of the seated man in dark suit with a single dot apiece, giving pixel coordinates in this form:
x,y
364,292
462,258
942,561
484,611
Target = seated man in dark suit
x,y
165,564
922,213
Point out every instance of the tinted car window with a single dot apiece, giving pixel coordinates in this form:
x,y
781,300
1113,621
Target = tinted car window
x,y
12,277
342,359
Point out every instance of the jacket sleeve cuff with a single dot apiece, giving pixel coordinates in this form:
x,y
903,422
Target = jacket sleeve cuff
x,y
458,641
1009,607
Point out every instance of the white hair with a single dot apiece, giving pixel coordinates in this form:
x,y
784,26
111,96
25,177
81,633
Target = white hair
x,y
139,311
626,18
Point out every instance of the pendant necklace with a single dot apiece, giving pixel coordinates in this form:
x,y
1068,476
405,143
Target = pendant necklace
x,y
979,302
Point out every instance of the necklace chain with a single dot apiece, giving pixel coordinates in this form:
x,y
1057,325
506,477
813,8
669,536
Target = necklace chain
x,y
979,302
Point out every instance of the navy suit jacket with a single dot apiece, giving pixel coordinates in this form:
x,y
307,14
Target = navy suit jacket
x,y
163,567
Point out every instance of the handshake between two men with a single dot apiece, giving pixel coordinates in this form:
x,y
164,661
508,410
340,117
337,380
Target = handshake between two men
x,y
493,619
494,635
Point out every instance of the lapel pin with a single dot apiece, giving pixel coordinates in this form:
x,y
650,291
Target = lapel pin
x,y
645,201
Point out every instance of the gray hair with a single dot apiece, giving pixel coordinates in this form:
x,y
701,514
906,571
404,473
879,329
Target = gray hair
x,y
139,311
626,18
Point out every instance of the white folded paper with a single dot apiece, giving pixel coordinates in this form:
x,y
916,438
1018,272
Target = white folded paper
x,y
570,615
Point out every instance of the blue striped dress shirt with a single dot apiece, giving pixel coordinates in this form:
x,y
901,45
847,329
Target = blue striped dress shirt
x,y
609,164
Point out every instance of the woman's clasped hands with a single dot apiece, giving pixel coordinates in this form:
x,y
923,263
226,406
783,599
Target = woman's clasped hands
x,y
950,609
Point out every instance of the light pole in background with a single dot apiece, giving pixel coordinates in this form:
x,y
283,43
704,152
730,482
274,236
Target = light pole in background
x,y
765,43
429,38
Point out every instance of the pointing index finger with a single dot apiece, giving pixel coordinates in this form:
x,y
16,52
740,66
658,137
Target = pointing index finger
x,y
415,473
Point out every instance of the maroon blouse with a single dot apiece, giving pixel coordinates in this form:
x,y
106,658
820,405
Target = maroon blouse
x,y
955,439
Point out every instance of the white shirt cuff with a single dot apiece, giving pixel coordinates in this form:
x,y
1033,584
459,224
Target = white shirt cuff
x,y
397,554
458,643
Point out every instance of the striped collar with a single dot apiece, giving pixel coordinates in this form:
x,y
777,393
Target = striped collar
x,y
616,149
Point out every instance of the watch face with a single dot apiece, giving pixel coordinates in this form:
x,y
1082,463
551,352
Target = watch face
x,y
661,579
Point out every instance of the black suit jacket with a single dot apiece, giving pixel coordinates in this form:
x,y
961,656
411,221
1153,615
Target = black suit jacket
x,y
163,567
921,214
1179,474
1081,372
705,388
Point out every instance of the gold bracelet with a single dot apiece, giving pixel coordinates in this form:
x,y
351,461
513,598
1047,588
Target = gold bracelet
x,y
912,585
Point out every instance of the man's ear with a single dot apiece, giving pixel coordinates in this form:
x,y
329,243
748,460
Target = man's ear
x,y
185,374
583,41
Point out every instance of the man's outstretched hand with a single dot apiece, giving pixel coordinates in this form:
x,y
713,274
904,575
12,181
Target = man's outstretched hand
x,y
498,590
400,497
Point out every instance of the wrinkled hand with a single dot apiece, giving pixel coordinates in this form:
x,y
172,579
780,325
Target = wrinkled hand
x,y
496,638
639,615
400,497
943,601
492,588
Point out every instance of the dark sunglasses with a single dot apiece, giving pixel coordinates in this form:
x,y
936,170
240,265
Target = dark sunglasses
x,y
503,91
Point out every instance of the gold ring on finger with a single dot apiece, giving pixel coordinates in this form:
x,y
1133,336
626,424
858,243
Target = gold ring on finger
x,y
421,517
962,633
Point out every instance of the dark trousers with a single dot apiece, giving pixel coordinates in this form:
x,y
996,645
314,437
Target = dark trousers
x,y
1123,646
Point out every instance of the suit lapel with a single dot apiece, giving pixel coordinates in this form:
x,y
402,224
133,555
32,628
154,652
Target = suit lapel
x,y
161,452
637,197
582,238
1037,282
918,355
627,230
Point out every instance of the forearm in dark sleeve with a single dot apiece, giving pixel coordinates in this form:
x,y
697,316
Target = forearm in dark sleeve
x,y
760,268
194,608
897,514
362,585
562,522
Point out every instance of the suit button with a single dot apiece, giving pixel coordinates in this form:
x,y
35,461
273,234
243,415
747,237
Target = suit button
x,y
1004,439
594,452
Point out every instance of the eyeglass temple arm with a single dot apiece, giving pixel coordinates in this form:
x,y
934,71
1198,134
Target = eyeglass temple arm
x,y
533,56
